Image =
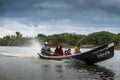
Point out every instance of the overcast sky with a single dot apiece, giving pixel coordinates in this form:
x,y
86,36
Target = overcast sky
x,y
31,17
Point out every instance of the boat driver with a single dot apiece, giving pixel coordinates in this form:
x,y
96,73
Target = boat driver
x,y
45,50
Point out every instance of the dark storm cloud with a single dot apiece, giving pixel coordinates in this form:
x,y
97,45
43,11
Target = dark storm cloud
x,y
110,6
84,11
18,8
91,12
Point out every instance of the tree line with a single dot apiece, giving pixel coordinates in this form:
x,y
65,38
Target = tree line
x,y
66,39
14,40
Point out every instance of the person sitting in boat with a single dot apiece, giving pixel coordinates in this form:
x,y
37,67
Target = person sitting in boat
x,y
77,49
58,50
46,50
67,52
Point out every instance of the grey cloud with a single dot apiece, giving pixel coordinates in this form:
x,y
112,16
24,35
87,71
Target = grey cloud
x,y
91,12
18,8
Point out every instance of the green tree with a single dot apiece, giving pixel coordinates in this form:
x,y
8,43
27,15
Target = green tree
x,y
41,37
117,40
97,38
18,34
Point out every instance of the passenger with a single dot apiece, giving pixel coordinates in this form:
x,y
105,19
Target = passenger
x,y
68,52
58,50
65,53
77,49
46,50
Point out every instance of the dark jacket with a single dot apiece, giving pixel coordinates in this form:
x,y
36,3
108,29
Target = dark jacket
x,y
46,51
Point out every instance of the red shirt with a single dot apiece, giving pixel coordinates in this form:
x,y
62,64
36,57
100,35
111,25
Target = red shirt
x,y
66,54
58,52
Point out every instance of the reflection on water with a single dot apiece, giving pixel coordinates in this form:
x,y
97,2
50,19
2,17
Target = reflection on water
x,y
75,71
58,68
94,71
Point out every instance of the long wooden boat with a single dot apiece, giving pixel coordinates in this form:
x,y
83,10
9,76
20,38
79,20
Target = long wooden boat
x,y
95,55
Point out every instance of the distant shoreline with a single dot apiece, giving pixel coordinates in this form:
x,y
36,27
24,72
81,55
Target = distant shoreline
x,y
65,46
83,46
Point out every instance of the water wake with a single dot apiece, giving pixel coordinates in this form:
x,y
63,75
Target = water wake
x,y
30,51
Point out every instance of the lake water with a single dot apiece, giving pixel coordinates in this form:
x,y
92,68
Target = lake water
x,y
23,63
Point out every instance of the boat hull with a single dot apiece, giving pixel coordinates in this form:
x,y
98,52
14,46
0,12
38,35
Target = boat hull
x,y
98,54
